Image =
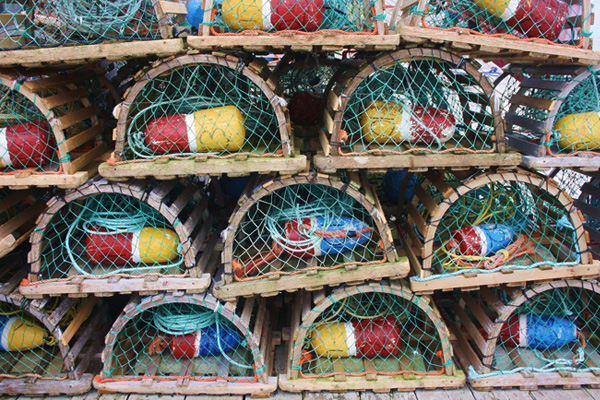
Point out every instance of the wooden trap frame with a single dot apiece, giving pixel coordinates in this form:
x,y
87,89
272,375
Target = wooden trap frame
x,y
536,116
309,273
170,166
421,248
63,101
309,306
180,203
127,368
492,151
482,320
66,367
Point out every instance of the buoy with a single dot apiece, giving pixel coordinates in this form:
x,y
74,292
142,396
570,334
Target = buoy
x,y
195,13
533,18
579,131
538,331
310,237
147,245
211,130
25,145
314,237
377,337
392,185
306,15
386,122
204,342
304,108
481,240
18,334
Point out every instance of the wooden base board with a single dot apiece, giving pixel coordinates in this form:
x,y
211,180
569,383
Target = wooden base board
x,y
173,168
535,380
499,48
38,387
108,286
312,281
189,387
332,164
381,384
542,163
295,42
510,277
63,181
82,54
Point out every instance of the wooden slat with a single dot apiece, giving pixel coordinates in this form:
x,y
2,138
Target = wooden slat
x,y
533,102
82,137
60,99
172,7
77,116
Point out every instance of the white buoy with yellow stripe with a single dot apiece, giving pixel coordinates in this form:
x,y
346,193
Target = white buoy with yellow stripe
x,y
579,132
211,130
18,334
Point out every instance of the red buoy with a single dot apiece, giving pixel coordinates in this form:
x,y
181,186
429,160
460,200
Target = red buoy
x,y
297,14
304,108
25,145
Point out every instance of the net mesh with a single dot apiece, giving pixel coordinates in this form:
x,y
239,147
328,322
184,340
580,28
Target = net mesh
x,y
539,19
109,234
41,23
421,105
304,227
575,124
381,333
554,330
230,17
201,109
503,224
169,341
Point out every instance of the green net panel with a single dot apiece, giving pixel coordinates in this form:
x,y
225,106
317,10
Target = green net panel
x,y
557,112
48,345
540,329
491,222
413,101
554,21
42,23
374,334
122,230
160,340
236,17
507,84
47,123
304,224
203,107
304,79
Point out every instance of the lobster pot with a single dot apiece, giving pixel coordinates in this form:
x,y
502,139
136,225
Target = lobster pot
x,y
541,335
48,128
189,344
555,117
376,336
305,231
206,114
491,228
304,78
408,103
235,17
106,238
554,21
39,23
50,346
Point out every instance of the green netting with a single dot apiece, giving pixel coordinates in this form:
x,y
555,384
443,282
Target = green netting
x,y
42,23
503,224
554,330
304,227
382,333
303,85
546,19
108,234
575,125
26,138
270,16
427,104
181,339
505,86
201,109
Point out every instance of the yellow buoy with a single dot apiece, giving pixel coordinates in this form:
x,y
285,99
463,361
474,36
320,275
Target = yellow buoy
x,y
247,14
579,131
155,245
18,334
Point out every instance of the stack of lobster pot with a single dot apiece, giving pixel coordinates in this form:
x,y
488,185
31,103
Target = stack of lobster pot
x,y
229,197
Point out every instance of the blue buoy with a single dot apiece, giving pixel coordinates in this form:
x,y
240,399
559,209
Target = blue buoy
x,y
392,184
